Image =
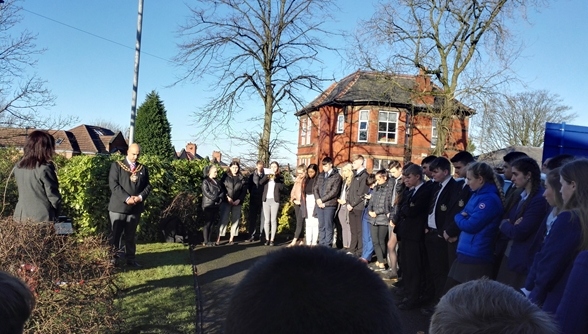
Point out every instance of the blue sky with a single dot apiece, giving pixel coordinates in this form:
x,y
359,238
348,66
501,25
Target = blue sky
x,y
92,77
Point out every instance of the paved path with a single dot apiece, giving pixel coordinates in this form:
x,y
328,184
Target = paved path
x,y
221,268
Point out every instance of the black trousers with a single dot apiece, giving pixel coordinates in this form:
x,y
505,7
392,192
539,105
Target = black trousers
x,y
437,255
356,246
254,220
210,217
411,256
299,232
124,224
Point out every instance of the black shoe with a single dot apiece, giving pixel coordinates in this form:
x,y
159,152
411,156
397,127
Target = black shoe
x,y
133,263
271,243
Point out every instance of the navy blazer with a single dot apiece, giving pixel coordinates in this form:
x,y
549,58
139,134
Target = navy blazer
x,y
571,312
413,213
463,196
523,234
551,268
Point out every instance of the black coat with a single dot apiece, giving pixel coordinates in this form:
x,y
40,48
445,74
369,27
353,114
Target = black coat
x,y
462,199
254,184
212,193
328,189
234,186
447,204
357,190
413,213
121,187
279,180
380,204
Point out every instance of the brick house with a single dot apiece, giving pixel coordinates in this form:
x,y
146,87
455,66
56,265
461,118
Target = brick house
x,y
83,139
379,116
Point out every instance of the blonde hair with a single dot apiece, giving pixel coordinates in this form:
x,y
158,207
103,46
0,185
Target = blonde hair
x,y
346,179
483,170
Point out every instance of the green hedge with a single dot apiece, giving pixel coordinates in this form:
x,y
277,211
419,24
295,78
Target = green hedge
x,y
83,183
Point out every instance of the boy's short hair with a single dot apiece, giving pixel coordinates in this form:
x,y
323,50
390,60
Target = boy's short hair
x,y
311,290
512,156
428,159
486,307
440,163
464,157
413,169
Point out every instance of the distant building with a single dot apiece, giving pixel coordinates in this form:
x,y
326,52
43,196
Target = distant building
x,y
374,114
83,139
189,153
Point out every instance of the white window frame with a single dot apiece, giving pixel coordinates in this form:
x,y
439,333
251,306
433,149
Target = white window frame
x,y
386,140
340,123
363,123
305,131
434,131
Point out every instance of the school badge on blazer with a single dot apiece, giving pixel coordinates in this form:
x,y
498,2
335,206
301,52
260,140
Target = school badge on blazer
x,y
460,203
412,204
443,207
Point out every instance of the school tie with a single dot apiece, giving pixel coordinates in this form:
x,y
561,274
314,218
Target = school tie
x,y
132,167
435,195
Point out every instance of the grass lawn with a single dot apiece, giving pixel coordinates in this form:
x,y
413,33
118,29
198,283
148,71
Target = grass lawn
x,y
158,297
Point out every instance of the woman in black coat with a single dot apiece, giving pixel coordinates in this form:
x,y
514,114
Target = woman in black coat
x,y
234,185
212,196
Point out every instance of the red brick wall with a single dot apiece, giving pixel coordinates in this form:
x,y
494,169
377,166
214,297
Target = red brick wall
x,y
341,147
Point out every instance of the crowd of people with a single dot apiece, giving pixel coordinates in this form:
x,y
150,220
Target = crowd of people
x,y
526,228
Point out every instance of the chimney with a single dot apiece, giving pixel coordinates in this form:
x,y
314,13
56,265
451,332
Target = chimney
x,y
216,155
191,148
422,87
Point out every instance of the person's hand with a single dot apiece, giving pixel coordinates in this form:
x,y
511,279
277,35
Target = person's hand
x,y
372,214
349,207
367,196
236,202
297,202
230,200
463,213
392,224
452,240
341,201
137,199
322,205
519,221
130,201
319,202
445,236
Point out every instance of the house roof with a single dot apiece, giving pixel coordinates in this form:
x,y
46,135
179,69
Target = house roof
x,y
92,139
494,158
65,141
364,87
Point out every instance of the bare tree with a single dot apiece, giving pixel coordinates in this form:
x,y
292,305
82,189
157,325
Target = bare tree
x,y
519,119
464,45
21,95
262,48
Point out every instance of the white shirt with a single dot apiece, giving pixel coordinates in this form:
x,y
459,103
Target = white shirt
x,y
431,221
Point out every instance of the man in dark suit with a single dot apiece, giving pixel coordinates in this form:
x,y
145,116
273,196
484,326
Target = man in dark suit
x,y
129,184
460,163
411,220
326,190
445,190
356,203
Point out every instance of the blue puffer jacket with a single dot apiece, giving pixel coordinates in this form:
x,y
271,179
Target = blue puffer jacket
x,y
480,226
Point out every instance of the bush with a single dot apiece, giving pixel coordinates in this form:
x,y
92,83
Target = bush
x,y
72,279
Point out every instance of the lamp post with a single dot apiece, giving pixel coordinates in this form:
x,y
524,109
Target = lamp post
x,y
136,74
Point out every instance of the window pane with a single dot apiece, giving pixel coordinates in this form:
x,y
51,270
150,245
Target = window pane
x,y
382,126
393,117
363,125
363,115
363,135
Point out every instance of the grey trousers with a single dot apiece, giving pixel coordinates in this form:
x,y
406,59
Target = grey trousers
x,y
270,214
